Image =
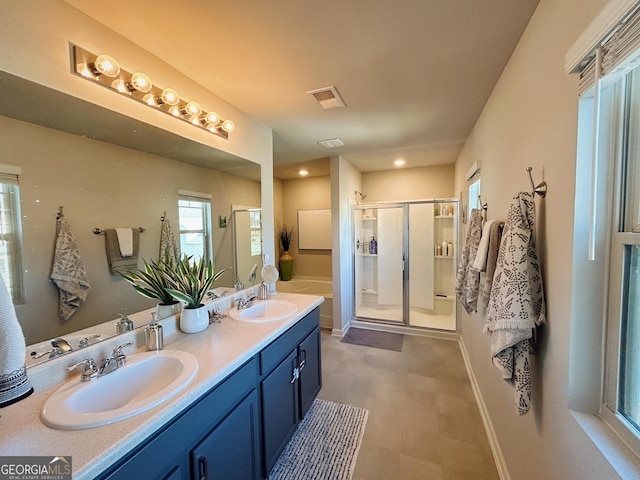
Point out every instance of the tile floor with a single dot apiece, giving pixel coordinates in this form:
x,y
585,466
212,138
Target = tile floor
x,y
423,419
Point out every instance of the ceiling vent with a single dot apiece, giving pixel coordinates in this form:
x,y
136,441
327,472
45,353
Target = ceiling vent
x,y
331,143
328,98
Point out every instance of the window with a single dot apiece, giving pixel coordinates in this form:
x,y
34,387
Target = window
x,y
194,212
609,130
11,233
255,225
474,195
620,112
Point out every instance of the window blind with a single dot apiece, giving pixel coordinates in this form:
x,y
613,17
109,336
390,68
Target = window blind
x,y
616,49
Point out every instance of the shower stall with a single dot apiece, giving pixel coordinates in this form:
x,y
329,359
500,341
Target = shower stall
x,y
405,261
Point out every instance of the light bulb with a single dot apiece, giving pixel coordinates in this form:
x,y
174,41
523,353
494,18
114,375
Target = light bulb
x,y
228,126
106,65
150,99
119,85
175,111
140,82
193,108
194,119
84,70
212,118
170,97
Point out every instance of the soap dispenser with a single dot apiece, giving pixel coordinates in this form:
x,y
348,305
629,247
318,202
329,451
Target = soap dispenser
x,y
153,334
125,324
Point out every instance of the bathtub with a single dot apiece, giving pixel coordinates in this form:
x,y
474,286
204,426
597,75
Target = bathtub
x,y
313,286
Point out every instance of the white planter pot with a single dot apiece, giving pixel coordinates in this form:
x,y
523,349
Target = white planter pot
x,y
167,310
194,320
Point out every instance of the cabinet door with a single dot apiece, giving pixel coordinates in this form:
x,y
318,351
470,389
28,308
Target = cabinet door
x,y
232,449
279,409
310,370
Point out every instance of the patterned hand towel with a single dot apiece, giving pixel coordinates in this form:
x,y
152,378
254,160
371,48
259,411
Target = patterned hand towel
x,y
516,304
14,384
68,272
168,246
468,280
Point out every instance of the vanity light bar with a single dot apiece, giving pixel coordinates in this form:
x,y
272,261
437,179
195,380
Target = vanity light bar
x,y
106,71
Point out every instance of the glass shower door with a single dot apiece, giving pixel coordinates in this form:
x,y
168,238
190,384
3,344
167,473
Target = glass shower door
x,y
379,262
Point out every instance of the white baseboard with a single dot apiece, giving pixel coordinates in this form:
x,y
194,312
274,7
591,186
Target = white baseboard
x,y
501,464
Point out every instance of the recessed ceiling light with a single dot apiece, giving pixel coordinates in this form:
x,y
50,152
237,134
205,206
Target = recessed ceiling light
x,y
399,162
331,143
303,172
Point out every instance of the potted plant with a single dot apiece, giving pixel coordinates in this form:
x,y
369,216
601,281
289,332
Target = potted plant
x,y
286,261
151,282
189,281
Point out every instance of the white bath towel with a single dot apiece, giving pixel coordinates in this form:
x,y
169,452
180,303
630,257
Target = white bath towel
x,y
168,246
125,241
14,384
516,304
68,272
480,262
468,280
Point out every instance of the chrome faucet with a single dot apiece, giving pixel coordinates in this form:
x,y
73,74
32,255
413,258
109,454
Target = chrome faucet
x,y
59,347
243,303
84,342
91,371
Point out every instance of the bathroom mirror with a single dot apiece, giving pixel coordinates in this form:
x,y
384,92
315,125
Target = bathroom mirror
x,y
106,170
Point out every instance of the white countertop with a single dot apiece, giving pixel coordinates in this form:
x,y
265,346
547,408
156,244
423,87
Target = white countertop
x,y
220,349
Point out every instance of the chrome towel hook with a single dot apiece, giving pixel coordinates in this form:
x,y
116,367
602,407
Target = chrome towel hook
x,y
541,188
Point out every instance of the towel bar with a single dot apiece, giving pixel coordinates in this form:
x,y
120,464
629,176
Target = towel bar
x,y
99,231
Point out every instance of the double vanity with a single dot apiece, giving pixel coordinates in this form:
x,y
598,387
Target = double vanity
x,y
222,403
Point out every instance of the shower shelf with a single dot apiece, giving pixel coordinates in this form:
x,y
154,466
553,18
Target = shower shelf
x,y
443,256
369,292
369,254
437,217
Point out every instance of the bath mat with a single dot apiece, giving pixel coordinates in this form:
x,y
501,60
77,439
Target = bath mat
x,y
374,338
325,445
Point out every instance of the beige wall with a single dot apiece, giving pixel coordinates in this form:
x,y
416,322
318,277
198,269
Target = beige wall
x,y
306,194
409,183
105,186
530,119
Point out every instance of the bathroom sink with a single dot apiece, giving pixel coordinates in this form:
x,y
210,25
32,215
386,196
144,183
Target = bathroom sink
x,y
264,311
146,380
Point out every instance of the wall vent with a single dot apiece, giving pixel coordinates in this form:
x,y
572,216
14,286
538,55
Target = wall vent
x,y
328,97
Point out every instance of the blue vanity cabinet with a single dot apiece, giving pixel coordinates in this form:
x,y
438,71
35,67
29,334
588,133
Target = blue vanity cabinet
x,y
240,427
178,450
291,379
232,450
310,370
280,409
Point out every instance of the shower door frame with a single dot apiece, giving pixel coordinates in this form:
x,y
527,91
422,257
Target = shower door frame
x,y
406,265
